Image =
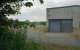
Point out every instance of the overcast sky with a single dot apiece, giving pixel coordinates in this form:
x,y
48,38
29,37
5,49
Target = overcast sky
x,y
38,11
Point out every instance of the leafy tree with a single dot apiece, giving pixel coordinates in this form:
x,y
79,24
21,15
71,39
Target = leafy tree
x,y
10,40
32,24
43,23
12,23
8,7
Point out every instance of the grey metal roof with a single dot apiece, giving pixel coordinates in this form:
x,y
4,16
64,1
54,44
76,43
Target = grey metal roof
x,y
64,6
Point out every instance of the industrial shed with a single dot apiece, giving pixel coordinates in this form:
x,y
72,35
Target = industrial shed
x,y
63,19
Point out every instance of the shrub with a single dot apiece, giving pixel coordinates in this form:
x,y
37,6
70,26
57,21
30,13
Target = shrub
x,y
18,41
10,40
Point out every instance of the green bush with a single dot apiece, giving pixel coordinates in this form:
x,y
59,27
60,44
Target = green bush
x,y
6,39
16,41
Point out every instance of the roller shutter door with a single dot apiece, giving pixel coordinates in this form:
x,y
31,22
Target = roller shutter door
x,y
67,25
60,25
54,25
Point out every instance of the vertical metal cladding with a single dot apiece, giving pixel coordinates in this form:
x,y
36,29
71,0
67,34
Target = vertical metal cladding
x,y
70,13
60,25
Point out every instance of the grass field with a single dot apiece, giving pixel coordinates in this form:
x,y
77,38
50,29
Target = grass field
x,y
59,47
73,35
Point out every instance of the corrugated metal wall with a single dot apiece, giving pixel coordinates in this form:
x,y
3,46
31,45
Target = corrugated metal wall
x,y
66,25
60,25
65,13
54,25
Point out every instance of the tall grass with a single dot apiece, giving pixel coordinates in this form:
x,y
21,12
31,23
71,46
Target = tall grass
x,y
18,41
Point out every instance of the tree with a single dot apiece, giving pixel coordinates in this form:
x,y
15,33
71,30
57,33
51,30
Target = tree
x,y
43,23
10,40
8,7
32,24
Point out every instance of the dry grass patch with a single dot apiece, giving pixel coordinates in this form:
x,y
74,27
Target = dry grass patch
x,y
42,29
76,33
62,47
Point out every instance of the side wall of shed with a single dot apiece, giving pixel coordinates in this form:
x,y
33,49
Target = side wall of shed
x,y
65,13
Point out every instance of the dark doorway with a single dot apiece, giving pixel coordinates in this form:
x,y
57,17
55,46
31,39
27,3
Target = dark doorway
x,y
60,25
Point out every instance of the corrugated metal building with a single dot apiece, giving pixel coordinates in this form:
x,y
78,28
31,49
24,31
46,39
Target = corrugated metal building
x,y
63,19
